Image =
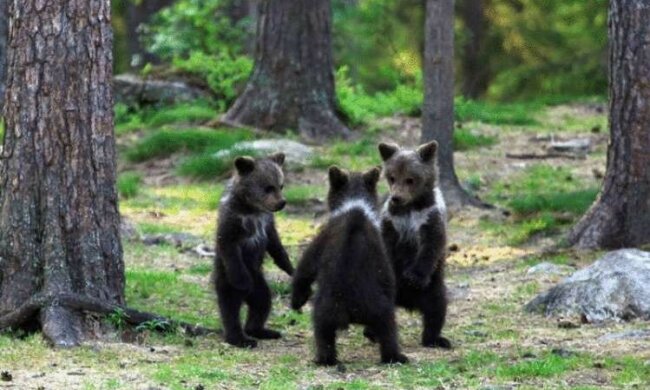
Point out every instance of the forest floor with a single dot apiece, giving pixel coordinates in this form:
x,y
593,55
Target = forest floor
x,y
496,344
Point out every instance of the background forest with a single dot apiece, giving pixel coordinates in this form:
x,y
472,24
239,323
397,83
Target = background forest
x,y
530,140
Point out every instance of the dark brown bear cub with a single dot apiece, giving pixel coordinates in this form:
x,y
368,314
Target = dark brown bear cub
x,y
354,276
414,230
245,232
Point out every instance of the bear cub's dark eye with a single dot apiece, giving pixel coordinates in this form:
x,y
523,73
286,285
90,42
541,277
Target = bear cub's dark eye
x,y
269,189
410,181
391,179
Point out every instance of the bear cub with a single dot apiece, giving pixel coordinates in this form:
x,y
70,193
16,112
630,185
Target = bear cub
x,y
245,232
354,276
413,226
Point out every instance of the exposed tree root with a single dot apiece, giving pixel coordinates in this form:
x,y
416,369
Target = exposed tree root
x,y
32,307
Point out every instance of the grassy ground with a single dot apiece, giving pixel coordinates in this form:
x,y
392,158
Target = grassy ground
x,y
497,345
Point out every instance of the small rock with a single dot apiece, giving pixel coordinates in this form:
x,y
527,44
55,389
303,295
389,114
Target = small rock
x,y
546,268
599,365
295,152
454,248
628,335
204,251
133,90
6,376
528,355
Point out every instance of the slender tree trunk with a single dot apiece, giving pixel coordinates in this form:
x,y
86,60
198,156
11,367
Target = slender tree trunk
x,y
137,14
4,25
620,217
438,107
292,85
59,222
476,73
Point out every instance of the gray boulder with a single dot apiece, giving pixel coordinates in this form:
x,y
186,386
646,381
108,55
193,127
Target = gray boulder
x,y
131,90
547,268
638,334
295,152
616,287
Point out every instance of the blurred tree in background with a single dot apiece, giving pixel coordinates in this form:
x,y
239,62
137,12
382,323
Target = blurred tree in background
x,y
505,49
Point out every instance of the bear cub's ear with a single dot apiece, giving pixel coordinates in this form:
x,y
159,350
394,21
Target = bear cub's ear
x,y
278,158
244,165
338,177
427,152
387,150
372,177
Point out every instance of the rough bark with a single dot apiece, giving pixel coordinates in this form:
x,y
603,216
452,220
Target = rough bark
x,y
137,14
476,73
238,10
620,217
59,221
292,85
438,107
4,25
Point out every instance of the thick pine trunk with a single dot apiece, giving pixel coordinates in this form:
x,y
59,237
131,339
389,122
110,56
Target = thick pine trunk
x,y
137,14
292,85
4,25
476,73
59,221
620,217
438,107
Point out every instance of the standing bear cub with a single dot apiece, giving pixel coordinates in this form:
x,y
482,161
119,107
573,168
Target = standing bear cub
x,y
414,230
349,262
245,232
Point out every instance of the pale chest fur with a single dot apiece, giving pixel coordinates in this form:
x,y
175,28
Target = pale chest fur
x,y
256,228
408,224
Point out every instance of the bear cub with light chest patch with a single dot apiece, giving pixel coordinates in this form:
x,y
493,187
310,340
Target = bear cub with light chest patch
x,y
414,230
348,260
245,232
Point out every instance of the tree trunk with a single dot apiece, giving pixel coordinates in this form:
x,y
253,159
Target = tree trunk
x,y
292,85
438,107
59,222
476,73
137,14
4,19
620,217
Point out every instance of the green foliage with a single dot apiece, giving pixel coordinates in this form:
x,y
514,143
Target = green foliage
x,y
128,119
554,47
193,25
225,74
167,142
117,318
200,40
128,184
360,107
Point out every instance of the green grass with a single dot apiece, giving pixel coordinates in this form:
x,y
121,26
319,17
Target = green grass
x,y
519,114
301,194
206,166
465,139
168,294
128,119
128,184
543,199
167,142
547,366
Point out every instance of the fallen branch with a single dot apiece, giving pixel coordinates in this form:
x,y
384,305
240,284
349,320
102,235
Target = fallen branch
x,y
78,302
535,156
